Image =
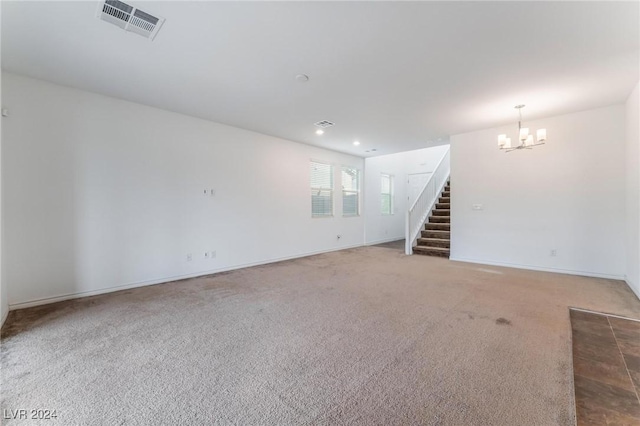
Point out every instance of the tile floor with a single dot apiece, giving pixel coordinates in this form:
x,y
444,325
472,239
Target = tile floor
x,y
606,368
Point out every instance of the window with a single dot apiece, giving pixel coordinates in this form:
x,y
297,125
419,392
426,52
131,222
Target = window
x,y
321,189
350,191
386,194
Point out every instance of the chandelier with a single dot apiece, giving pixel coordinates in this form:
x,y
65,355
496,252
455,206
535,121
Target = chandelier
x,y
525,139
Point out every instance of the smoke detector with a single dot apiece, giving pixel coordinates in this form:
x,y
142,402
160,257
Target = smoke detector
x,y
130,18
324,124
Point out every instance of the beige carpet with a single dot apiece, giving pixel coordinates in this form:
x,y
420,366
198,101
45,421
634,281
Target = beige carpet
x,y
362,336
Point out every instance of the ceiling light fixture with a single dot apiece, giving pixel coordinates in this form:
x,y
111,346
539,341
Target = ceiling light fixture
x,y
356,143
302,78
319,132
526,139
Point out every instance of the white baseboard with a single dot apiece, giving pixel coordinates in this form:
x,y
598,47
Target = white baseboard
x,y
571,308
634,289
78,295
539,268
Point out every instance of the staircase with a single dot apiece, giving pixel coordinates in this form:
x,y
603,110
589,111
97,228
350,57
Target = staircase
x,y
436,236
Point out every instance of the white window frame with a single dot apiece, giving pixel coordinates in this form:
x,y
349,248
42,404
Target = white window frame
x,y
390,194
350,191
321,189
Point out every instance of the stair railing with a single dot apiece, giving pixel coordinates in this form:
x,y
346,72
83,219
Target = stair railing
x,y
424,203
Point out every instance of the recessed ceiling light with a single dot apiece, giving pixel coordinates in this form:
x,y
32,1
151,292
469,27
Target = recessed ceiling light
x,y
319,132
356,143
302,78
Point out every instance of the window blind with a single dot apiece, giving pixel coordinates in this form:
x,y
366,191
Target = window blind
x,y
386,194
350,191
321,189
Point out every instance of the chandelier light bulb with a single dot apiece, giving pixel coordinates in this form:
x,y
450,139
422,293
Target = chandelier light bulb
x,y
507,143
501,140
524,133
542,135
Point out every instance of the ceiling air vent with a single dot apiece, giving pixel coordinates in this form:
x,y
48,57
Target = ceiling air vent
x,y
130,18
324,124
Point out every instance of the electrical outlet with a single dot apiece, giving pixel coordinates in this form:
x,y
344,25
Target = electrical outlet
x,y
213,254
207,255
206,192
553,253
212,192
339,236
189,257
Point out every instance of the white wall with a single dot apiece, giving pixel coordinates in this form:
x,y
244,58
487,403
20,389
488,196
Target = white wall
x,y
381,228
100,193
568,195
633,191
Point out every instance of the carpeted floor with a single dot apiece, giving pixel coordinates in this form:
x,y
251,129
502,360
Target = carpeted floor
x,y
397,245
361,336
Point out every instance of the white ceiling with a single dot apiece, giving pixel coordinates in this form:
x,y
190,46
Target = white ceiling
x,y
394,75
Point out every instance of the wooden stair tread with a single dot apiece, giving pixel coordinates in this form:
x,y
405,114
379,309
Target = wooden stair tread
x,y
434,242
439,219
427,240
436,233
440,249
432,251
437,226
